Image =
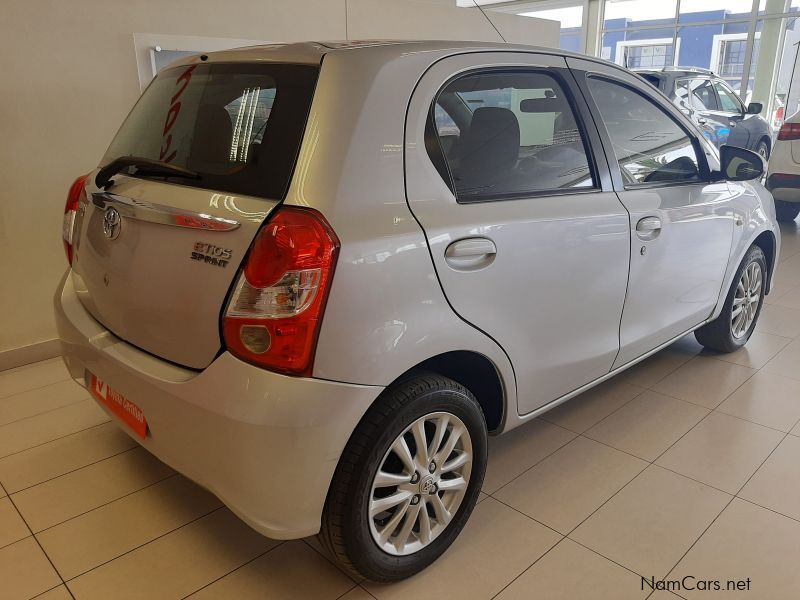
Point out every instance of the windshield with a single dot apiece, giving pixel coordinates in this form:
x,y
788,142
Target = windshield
x,y
238,126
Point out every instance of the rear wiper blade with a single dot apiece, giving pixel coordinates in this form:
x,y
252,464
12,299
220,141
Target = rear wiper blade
x,y
144,166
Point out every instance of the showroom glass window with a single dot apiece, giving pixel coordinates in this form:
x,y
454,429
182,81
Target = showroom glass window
x,y
509,134
649,145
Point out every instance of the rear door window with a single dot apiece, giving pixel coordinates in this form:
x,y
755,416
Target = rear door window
x,y
239,126
509,134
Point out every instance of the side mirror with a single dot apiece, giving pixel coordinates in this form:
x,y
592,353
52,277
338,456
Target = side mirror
x,y
755,108
738,164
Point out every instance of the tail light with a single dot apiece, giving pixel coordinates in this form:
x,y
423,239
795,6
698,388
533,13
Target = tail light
x,y
789,131
273,317
77,194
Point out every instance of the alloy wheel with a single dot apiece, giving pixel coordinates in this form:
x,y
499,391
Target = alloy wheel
x,y
746,300
420,483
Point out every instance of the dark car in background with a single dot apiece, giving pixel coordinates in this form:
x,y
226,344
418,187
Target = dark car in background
x,y
714,107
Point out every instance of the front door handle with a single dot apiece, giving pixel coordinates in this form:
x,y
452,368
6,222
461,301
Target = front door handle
x,y
648,228
469,254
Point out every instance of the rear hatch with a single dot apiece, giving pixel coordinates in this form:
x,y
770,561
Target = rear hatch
x,y
156,253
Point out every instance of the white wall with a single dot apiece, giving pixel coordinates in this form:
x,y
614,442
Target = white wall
x,y
70,76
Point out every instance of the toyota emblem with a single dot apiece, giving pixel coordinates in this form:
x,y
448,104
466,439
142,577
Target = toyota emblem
x,y
112,223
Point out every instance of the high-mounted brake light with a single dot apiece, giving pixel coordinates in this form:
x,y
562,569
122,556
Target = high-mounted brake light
x,y
789,131
77,194
273,317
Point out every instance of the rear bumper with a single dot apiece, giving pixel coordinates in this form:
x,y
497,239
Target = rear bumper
x,y
784,187
265,444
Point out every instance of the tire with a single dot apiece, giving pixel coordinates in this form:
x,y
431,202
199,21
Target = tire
x,y
762,149
722,334
786,211
348,531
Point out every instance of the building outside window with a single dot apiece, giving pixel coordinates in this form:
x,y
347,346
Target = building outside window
x,y
649,54
728,55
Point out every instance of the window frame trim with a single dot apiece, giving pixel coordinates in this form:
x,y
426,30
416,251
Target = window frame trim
x,y
702,162
571,96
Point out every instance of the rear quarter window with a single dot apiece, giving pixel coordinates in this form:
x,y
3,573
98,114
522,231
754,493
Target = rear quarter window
x,y
239,126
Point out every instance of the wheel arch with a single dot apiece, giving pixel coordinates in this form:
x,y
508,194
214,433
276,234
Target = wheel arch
x,y
477,373
767,140
768,244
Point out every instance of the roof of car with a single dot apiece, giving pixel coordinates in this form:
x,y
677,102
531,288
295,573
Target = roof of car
x,y
312,52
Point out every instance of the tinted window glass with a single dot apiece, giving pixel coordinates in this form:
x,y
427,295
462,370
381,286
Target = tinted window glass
x,y
697,94
238,126
648,144
516,134
727,99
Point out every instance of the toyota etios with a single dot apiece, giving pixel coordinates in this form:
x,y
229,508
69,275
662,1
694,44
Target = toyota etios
x,y
315,277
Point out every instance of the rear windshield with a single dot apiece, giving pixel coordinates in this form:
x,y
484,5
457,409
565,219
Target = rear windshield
x,y
239,126
652,79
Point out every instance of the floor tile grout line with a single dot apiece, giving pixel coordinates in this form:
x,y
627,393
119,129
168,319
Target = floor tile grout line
x,y
574,435
704,417
158,537
75,470
49,560
583,435
735,496
38,387
526,569
602,504
629,569
61,437
777,512
527,516
39,595
642,390
330,560
749,377
347,592
44,412
366,591
244,564
104,504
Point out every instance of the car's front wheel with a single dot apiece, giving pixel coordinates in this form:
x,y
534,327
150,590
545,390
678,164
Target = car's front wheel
x,y
786,211
735,324
763,150
407,480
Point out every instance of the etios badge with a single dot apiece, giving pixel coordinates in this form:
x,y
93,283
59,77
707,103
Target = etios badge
x,y
112,223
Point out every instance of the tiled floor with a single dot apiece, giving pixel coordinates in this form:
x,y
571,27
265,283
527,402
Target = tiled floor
x,y
688,464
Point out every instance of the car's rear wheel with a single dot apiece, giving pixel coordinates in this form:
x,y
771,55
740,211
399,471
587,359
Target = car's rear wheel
x,y
787,211
735,324
407,481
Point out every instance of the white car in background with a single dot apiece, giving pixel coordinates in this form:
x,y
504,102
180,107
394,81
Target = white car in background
x,y
783,174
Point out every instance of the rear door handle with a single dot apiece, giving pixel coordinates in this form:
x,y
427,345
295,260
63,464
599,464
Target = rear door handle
x,y
469,254
648,228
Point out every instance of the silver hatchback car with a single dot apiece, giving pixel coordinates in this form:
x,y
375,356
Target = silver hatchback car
x,y
315,277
